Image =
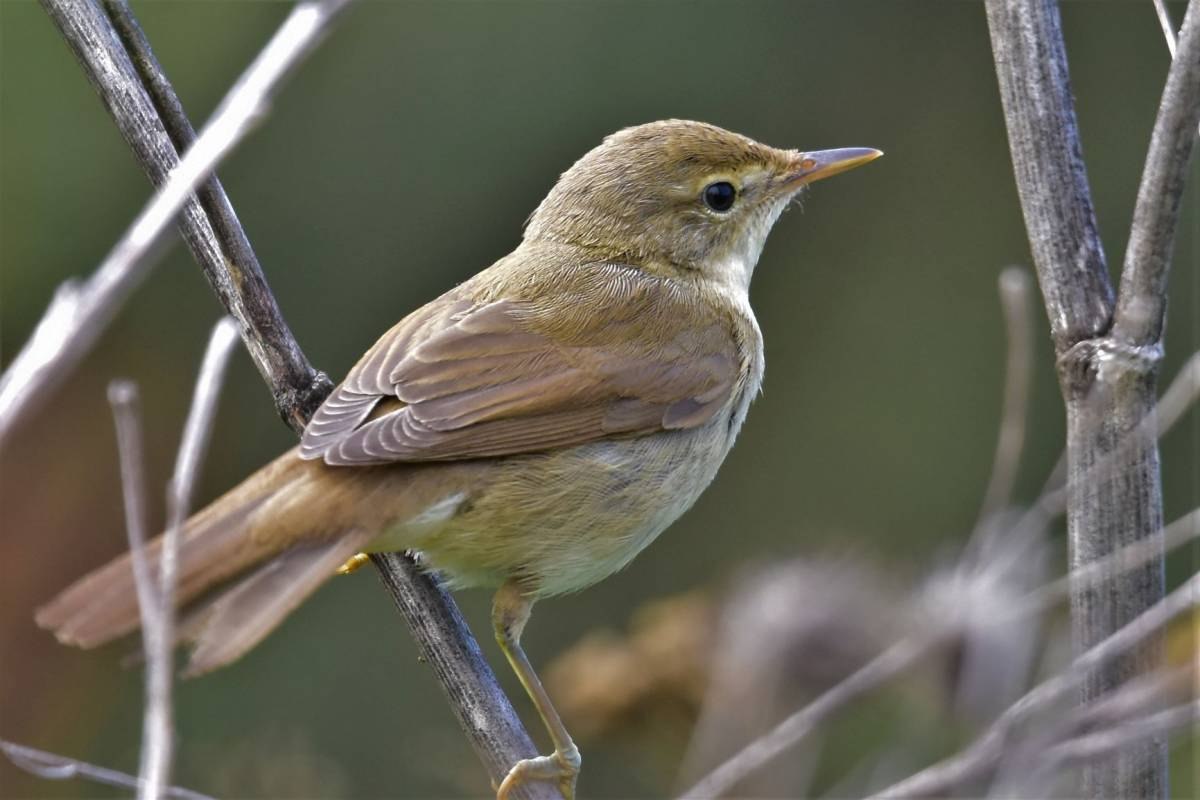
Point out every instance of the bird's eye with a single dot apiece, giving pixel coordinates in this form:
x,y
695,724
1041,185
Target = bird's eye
x,y
719,196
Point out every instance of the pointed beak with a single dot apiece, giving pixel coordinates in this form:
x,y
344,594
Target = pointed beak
x,y
820,164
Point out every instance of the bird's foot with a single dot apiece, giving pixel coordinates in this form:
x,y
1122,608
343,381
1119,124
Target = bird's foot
x,y
562,766
353,563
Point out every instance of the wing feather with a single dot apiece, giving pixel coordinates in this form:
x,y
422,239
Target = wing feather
x,y
491,377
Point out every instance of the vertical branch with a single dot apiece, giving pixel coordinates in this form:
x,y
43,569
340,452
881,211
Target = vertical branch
x,y
1043,138
1108,351
1142,305
156,603
157,728
1015,301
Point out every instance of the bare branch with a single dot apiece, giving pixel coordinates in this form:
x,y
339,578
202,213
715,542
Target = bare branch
x,y
907,652
1164,21
876,672
1025,770
445,643
156,603
1015,300
60,768
208,222
82,313
146,114
1142,301
1031,64
157,728
1108,356
1118,738
986,753
1179,397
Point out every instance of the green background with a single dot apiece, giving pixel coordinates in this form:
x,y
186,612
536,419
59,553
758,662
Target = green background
x,y
405,156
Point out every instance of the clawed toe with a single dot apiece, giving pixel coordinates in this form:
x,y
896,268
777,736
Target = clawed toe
x,y
562,767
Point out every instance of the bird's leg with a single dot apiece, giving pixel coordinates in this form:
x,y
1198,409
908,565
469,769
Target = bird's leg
x,y
510,612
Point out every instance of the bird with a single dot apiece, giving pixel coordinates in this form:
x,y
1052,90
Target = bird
x,y
530,430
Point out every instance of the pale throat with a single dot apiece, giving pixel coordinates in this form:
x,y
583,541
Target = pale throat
x,y
735,267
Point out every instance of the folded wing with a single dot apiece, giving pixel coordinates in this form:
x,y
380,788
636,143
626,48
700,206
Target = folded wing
x,y
617,355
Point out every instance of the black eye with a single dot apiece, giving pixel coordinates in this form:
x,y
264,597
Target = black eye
x,y
719,196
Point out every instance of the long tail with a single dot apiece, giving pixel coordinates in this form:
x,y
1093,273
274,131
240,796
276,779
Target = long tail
x,y
219,545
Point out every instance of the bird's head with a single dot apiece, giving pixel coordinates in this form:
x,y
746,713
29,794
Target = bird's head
x,y
682,195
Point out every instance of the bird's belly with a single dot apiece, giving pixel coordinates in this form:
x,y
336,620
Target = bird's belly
x,y
563,520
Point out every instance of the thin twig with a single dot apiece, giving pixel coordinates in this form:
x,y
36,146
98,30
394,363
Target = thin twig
x,y
876,672
60,768
1016,293
1023,772
989,749
1118,738
158,615
907,652
1179,397
1164,21
157,728
1143,296
81,312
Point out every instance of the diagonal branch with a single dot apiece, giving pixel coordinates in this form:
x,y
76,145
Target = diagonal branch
x,y
81,312
147,110
54,767
211,228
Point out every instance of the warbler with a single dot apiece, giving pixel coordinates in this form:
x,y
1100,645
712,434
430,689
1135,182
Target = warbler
x,y
531,429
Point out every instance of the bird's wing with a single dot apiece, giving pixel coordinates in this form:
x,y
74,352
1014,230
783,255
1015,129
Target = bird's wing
x,y
622,355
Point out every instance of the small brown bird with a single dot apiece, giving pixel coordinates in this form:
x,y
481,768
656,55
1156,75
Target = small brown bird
x,y
533,428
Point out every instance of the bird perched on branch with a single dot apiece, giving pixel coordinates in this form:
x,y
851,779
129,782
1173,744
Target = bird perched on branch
x,y
532,429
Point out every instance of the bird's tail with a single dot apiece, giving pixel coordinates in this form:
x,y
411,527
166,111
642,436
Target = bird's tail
x,y
219,545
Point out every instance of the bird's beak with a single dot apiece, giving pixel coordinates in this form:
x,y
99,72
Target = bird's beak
x,y
820,164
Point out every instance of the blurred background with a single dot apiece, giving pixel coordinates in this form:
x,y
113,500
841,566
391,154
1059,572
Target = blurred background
x,y
404,157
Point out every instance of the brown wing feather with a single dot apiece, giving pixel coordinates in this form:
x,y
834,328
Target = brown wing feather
x,y
349,405
503,376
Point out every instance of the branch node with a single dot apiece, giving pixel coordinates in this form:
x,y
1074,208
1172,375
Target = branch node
x,y
296,406
1106,362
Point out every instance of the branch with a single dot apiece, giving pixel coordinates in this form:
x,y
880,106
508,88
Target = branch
x,y
156,603
1120,737
903,654
80,313
1107,369
469,684
1043,138
213,233
1143,296
1015,291
60,768
983,757
446,644
875,673
157,728
1164,22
